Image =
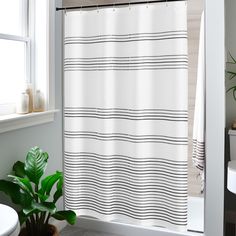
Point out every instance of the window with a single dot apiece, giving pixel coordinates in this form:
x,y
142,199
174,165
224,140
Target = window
x,y
14,52
26,50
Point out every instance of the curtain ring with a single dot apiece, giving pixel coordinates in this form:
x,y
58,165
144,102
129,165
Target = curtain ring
x,y
65,11
147,4
166,3
97,8
129,6
114,6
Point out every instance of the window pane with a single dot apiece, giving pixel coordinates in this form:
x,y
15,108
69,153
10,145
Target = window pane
x,y
12,72
13,17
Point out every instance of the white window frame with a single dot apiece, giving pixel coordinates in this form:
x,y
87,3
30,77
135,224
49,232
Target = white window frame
x,y
27,40
16,121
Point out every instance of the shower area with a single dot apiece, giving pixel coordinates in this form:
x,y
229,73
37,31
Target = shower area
x,y
134,113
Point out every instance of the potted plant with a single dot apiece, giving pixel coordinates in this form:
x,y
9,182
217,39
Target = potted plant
x,y
232,75
26,188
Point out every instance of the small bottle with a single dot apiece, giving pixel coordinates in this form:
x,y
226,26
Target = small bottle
x,y
29,91
22,104
39,101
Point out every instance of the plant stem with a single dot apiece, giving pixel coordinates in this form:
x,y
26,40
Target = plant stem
x,y
37,217
47,219
41,222
36,191
33,223
42,217
29,227
37,200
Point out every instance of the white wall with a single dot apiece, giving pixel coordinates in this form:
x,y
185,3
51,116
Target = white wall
x,y
14,144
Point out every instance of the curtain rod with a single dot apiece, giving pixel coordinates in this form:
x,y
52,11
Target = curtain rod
x,y
114,4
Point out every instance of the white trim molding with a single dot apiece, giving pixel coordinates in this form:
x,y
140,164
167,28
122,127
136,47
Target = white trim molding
x,y
215,117
17,121
15,38
51,54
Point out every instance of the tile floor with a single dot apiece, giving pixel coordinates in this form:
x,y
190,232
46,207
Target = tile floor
x,y
74,231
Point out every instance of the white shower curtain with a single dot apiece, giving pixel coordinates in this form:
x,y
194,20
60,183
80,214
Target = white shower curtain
x,y
125,109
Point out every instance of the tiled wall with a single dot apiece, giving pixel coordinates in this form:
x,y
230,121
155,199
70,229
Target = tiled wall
x,y
194,14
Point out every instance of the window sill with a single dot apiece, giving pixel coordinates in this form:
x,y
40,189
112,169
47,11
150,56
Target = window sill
x,y
16,121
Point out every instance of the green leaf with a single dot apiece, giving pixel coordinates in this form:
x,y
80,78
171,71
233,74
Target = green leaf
x,y
69,216
232,58
13,190
28,211
42,197
234,93
25,200
45,206
35,164
232,74
23,183
232,88
59,190
22,217
10,189
19,169
47,184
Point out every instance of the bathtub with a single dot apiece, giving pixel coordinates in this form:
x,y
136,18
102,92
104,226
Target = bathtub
x,y
195,224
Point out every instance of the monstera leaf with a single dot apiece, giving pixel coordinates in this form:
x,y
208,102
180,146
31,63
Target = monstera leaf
x,y
35,164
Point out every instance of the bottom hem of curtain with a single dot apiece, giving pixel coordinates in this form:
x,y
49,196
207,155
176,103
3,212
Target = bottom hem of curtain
x,y
122,219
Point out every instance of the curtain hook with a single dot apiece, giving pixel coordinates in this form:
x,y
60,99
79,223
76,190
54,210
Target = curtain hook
x,y
97,6
129,6
147,4
166,3
114,6
65,11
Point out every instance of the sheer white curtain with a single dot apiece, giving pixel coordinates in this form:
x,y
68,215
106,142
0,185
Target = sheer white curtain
x,y
126,114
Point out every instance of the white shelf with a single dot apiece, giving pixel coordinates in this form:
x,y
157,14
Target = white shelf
x,y
17,121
